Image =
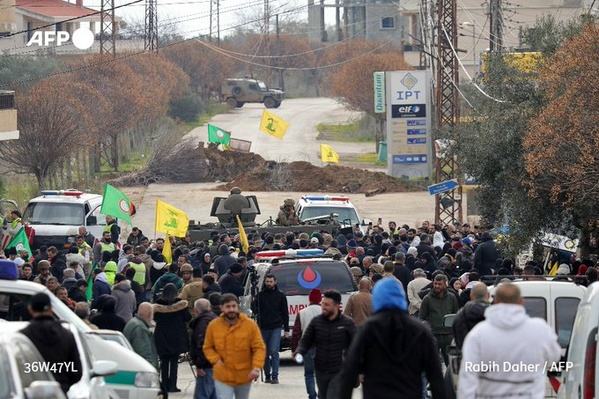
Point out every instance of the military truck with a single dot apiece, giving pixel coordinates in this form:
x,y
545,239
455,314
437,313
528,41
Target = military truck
x,y
238,91
226,209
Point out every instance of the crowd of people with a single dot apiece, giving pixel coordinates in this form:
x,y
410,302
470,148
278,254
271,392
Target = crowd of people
x,y
409,279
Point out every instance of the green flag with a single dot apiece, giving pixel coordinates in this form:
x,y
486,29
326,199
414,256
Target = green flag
x,y
20,242
218,135
90,283
116,204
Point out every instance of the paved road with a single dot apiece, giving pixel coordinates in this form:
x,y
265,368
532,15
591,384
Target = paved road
x,y
299,143
291,377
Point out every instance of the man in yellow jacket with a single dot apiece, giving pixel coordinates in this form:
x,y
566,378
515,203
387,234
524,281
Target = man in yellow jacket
x,y
235,347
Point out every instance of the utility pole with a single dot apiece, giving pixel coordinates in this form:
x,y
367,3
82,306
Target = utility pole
x,y
151,27
210,25
218,21
448,205
107,28
267,40
496,25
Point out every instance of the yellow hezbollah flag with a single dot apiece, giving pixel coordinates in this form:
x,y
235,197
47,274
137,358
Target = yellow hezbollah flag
x,y
245,245
167,250
273,125
327,154
552,270
170,220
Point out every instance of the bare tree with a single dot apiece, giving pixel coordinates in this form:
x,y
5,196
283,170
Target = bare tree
x,y
52,124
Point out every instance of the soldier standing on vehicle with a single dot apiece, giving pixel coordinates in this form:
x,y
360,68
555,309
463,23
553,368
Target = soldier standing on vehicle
x,y
287,215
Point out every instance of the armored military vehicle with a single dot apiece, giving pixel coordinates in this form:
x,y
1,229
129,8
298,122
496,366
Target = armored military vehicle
x,y
225,209
238,91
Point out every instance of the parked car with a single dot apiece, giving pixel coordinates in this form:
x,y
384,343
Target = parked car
x,y
579,371
135,377
297,273
16,350
112,336
554,301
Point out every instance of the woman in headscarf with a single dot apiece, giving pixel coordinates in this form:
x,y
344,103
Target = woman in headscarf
x,y
205,262
171,316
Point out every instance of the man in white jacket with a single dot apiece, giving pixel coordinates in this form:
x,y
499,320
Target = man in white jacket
x,y
509,353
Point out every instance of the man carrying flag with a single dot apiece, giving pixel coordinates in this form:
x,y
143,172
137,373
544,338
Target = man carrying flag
x,y
117,204
20,243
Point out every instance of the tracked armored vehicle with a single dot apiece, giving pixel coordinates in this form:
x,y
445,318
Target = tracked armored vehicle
x,y
226,210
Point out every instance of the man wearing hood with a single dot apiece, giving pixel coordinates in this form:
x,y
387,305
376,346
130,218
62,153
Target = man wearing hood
x,y
506,355
392,350
273,315
224,260
126,302
106,318
169,277
55,343
100,286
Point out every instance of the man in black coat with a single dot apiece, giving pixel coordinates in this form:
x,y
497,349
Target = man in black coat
x,y
401,271
273,315
471,314
230,282
106,318
486,255
204,372
224,260
331,333
392,350
55,343
58,263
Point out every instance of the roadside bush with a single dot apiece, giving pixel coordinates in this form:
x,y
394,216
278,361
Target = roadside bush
x,y
186,108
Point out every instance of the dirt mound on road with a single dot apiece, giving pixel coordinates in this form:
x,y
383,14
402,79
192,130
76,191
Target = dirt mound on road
x,y
251,172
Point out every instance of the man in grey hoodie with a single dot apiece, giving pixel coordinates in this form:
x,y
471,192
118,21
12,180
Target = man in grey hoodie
x,y
126,303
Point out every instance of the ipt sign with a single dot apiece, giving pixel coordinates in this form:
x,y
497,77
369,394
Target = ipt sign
x,y
82,38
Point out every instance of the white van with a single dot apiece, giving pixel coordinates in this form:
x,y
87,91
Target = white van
x,y
135,378
580,372
56,215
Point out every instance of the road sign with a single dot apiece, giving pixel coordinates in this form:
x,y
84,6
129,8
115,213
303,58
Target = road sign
x,y
379,92
442,187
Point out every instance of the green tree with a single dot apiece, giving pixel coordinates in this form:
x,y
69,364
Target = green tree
x,y
490,147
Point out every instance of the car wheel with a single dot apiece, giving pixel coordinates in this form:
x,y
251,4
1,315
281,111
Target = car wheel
x,y
239,104
278,104
270,102
231,102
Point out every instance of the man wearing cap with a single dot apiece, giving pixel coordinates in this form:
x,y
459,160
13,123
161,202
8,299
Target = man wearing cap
x,y
392,350
359,306
287,215
55,343
230,282
302,321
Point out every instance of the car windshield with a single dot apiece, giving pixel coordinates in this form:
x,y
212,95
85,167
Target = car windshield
x,y
345,214
54,213
262,86
298,278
